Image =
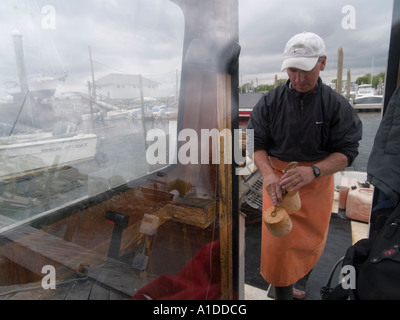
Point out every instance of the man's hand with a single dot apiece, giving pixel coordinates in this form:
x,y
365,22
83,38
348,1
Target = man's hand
x,y
295,179
272,185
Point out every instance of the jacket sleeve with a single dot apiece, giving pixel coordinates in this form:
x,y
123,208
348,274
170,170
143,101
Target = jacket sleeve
x,y
258,122
346,130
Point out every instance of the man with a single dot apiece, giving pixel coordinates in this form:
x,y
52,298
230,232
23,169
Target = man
x,y
307,122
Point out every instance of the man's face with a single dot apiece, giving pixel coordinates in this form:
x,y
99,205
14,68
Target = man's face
x,y
305,81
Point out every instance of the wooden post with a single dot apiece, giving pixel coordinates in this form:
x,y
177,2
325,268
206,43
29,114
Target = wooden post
x,y
141,94
224,120
276,83
348,84
339,83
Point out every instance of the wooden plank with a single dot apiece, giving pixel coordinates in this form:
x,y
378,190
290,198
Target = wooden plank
x,y
120,277
71,291
7,292
34,290
28,295
44,246
33,249
225,183
115,296
80,291
99,293
59,294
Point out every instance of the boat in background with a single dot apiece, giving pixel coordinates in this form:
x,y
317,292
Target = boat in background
x,y
27,142
365,90
41,87
165,112
118,114
26,154
368,103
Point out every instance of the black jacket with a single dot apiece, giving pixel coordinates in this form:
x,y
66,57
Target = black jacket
x,y
384,162
295,127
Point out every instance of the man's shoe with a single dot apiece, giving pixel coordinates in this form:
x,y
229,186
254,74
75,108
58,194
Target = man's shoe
x,y
300,287
299,294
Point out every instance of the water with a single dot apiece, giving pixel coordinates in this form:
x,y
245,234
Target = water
x,y
370,121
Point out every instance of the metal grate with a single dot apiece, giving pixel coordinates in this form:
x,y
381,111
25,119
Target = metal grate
x,y
254,200
255,182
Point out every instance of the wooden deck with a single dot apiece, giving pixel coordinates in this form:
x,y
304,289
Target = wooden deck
x,y
86,289
32,249
29,249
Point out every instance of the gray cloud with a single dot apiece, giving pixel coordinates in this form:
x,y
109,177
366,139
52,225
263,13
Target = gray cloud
x,y
141,36
266,26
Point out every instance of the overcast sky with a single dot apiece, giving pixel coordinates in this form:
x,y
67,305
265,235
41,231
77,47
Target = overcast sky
x,y
266,26
145,36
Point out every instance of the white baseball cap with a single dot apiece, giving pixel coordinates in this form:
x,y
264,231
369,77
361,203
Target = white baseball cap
x,y
303,51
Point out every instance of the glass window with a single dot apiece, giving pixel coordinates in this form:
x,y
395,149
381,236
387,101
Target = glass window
x,y
94,204
79,85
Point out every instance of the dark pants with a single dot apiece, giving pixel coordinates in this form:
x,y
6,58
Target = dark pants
x,y
283,293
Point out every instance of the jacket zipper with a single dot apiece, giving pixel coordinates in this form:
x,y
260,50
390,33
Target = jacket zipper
x,y
302,106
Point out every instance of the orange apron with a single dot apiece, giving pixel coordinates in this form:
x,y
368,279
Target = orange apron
x,y
286,259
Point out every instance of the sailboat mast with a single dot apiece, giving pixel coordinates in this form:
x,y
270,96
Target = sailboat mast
x,y
20,59
26,113
91,66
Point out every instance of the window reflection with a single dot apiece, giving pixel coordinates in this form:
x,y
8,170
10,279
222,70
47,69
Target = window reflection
x,y
83,82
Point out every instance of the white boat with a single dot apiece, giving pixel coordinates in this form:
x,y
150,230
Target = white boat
x,y
118,114
365,90
368,102
40,86
19,156
164,112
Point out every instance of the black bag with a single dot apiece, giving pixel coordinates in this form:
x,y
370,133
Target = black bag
x,y
376,261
